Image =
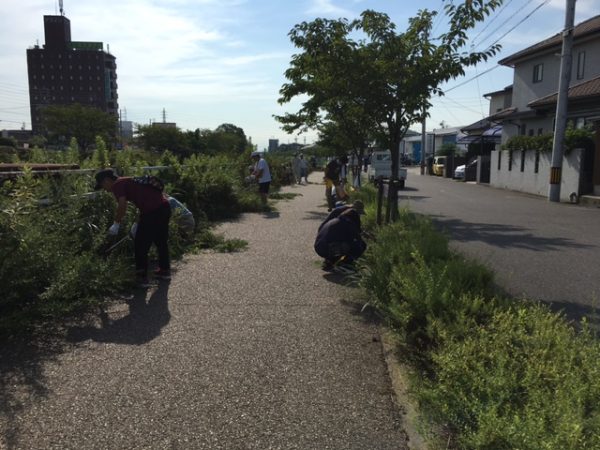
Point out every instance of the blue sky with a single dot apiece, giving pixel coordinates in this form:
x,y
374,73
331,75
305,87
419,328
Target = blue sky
x,y
209,62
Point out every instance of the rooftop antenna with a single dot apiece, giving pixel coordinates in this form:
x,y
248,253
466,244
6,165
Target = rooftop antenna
x,y
62,10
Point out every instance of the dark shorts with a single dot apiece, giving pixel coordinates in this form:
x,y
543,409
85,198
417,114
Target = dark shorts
x,y
263,188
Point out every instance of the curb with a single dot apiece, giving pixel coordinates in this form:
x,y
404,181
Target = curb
x,y
398,373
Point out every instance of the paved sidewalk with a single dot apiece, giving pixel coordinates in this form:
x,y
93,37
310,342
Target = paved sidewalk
x,y
253,350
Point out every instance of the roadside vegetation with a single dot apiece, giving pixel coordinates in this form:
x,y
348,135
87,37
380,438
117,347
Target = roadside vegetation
x,y
53,231
487,372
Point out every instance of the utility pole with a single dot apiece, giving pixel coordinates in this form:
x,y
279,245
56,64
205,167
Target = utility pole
x,y
423,141
566,61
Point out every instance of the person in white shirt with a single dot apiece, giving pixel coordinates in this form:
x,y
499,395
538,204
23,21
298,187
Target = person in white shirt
x,y
262,174
296,169
303,169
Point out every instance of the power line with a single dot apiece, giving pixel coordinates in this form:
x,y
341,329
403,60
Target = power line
x,y
495,42
489,35
545,2
493,19
460,105
471,79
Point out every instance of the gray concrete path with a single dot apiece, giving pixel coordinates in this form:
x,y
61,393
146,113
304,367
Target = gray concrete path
x,y
253,350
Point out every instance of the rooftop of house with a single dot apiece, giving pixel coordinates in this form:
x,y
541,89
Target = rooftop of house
x,y
586,90
506,90
583,29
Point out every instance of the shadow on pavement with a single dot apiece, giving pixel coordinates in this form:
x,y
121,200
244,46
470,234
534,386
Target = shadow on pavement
x,y
143,323
343,280
271,215
316,215
504,236
576,312
411,197
22,376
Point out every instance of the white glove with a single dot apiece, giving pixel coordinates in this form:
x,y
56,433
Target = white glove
x,y
114,229
133,230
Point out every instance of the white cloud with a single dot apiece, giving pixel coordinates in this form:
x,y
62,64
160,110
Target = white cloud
x,y
328,8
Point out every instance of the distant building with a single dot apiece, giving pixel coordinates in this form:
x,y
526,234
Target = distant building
x,y
273,145
21,136
126,129
164,124
65,72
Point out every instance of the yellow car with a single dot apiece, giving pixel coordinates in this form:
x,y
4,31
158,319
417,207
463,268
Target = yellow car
x,y
438,165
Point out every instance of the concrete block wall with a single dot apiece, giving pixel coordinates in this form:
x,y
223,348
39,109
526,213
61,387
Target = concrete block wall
x,y
535,183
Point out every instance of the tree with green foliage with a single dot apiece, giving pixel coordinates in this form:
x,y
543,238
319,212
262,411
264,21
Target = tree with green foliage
x,y
158,138
386,75
447,149
64,122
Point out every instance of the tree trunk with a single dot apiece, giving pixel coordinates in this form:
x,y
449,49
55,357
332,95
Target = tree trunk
x,y
393,186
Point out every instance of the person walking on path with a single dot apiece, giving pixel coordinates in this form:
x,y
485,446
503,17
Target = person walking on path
x,y
303,169
263,175
153,221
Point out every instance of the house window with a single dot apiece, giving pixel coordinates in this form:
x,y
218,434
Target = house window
x,y
500,160
580,123
540,131
536,167
580,65
510,160
522,160
531,132
523,129
538,73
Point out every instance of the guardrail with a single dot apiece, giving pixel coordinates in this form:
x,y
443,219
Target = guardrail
x,y
17,173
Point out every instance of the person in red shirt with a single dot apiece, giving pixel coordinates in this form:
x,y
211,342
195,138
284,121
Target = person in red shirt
x,y
153,221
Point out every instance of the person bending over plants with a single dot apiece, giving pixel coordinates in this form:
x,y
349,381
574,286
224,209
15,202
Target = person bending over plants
x,y
339,241
146,193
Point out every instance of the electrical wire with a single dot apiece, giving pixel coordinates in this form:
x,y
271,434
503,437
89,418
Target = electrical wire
x,y
471,79
498,28
493,19
545,2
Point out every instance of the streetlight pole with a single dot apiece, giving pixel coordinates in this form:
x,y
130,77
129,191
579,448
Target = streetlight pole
x,y
566,61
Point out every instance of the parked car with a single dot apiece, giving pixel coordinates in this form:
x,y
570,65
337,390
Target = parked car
x,y
381,167
439,162
467,171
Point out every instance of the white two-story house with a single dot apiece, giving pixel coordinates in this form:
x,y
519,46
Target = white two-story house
x,y
532,108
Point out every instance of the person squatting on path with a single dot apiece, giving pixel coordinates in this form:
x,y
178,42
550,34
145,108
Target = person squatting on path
x,y
358,206
153,221
339,240
262,174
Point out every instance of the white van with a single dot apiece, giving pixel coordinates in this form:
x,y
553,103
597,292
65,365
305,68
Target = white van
x,y
381,166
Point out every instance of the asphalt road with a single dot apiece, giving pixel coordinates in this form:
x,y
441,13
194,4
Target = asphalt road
x,y
254,350
539,250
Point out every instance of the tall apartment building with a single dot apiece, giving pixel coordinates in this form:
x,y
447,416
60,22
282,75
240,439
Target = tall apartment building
x,y
64,72
273,145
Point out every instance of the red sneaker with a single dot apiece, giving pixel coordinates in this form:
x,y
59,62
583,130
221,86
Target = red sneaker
x,y
162,274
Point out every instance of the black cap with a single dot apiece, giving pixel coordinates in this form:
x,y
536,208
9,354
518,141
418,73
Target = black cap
x,y
102,175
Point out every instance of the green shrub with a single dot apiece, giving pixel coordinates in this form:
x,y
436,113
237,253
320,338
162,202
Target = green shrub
x,y
495,373
526,380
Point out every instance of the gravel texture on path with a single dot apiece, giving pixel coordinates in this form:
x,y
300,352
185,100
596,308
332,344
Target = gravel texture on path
x,y
251,350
